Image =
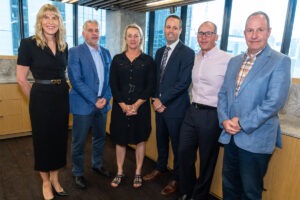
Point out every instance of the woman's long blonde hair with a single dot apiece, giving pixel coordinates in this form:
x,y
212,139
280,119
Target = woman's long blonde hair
x,y
59,35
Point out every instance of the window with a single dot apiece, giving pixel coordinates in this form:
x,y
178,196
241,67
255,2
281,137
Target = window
x,y
276,10
199,13
9,28
10,33
294,52
146,33
87,13
160,17
31,9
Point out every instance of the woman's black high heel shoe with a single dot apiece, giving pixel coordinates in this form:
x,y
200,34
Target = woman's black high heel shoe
x,y
63,193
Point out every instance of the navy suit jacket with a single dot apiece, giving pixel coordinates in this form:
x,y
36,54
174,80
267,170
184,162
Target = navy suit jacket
x,y
173,88
85,81
262,94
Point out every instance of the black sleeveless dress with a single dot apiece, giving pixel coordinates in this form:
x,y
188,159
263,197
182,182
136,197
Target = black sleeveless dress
x,y
48,105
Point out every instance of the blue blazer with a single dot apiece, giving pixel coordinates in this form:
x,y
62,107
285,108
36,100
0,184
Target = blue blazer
x,y
173,89
261,96
85,81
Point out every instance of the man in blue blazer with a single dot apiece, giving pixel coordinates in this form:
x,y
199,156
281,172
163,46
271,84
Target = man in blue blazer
x,y
88,69
255,88
173,77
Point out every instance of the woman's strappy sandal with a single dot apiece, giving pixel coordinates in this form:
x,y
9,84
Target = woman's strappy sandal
x,y
137,181
117,180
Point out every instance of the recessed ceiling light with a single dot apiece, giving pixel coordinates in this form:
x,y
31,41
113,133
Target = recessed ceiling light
x,y
162,2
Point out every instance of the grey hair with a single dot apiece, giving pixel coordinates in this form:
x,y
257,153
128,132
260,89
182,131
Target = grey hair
x,y
260,13
89,21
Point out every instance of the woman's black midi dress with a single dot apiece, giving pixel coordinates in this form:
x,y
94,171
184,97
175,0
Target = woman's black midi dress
x,y
48,104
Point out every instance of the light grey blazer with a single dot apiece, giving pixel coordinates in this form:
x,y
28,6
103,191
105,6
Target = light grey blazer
x,y
261,96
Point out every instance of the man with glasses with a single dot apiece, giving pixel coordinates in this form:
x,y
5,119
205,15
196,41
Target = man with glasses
x,y
200,129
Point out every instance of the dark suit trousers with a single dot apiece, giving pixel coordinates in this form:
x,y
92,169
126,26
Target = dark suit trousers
x,y
200,130
167,129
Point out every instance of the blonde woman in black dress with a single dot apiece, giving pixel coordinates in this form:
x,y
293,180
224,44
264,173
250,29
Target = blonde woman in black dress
x,y
45,55
131,82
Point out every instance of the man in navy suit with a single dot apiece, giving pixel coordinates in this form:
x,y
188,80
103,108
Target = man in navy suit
x,y
255,88
173,77
88,69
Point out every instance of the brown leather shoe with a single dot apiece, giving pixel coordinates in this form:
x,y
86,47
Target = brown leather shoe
x,y
152,175
170,188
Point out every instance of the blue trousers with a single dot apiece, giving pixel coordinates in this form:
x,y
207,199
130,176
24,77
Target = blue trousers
x,y
243,173
81,125
167,129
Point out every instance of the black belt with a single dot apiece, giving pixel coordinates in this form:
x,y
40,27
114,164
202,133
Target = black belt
x,y
50,82
204,107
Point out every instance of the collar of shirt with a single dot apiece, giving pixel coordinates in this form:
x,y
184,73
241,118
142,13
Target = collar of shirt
x,y
172,47
211,52
251,56
92,49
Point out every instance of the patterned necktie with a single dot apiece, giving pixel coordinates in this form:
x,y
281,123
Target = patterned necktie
x,y
164,62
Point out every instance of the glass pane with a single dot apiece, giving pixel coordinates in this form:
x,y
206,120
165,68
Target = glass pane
x,y
294,52
67,15
10,27
31,9
88,13
276,10
160,17
146,34
199,13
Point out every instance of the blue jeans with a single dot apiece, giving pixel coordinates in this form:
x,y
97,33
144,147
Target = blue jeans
x,y
81,125
243,173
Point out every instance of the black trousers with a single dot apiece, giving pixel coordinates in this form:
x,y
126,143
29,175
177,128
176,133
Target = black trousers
x,y
200,130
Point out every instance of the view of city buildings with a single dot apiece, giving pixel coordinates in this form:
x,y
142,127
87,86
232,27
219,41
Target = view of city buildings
x,y
196,14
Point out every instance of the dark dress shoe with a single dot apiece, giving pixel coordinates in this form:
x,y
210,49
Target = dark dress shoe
x,y
63,193
80,182
152,175
170,188
102,171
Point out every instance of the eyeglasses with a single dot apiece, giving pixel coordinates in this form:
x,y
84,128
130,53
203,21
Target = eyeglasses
x,y
208,33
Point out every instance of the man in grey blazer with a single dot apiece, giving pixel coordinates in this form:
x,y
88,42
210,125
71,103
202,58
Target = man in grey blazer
x,y
255,88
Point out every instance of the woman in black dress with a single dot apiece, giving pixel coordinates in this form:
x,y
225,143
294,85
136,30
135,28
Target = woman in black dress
x,y
45,55
131,81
